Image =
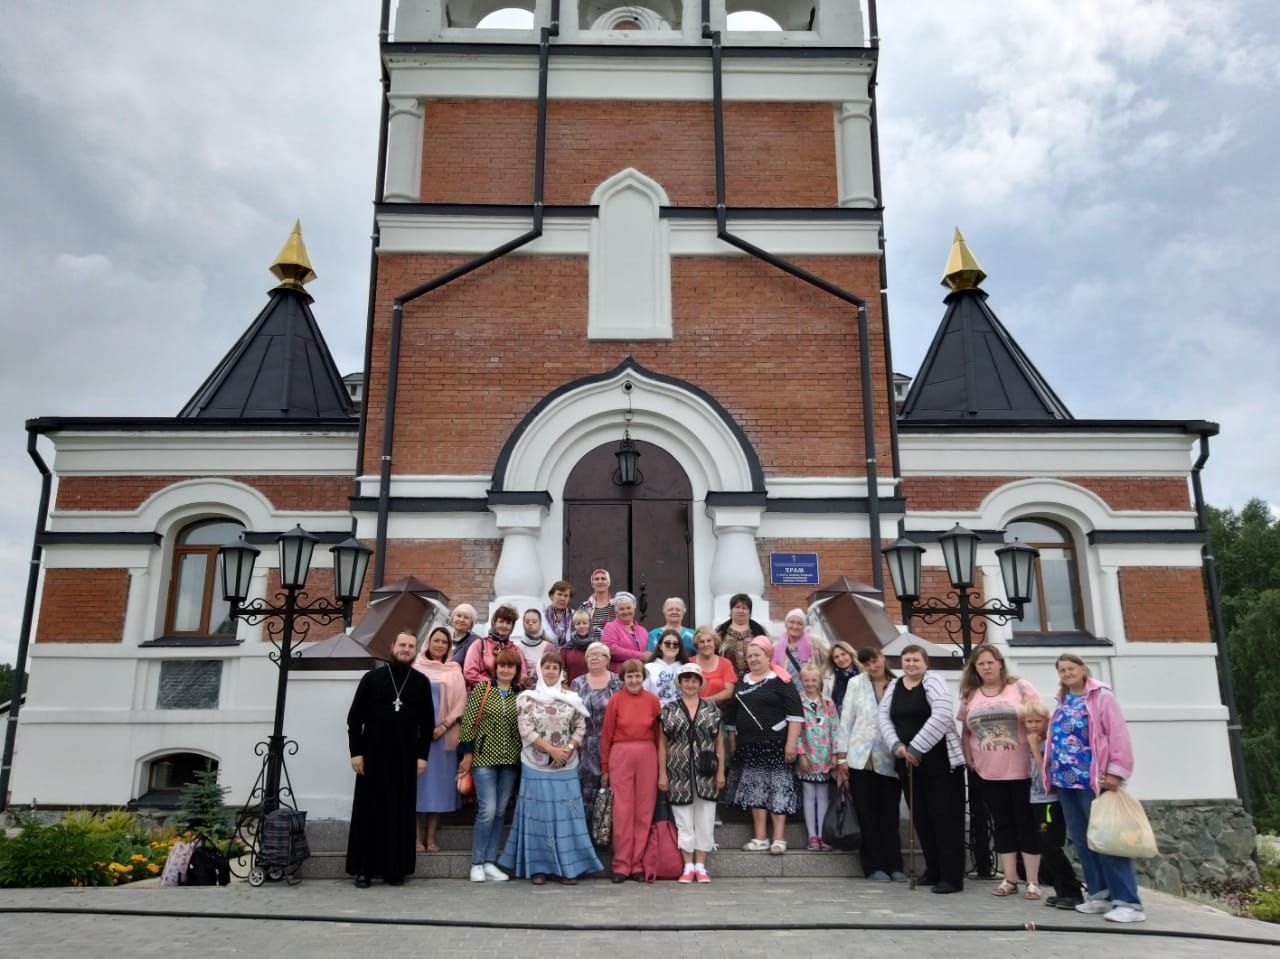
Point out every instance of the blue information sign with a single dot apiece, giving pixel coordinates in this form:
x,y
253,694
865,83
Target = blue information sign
x,y
793,569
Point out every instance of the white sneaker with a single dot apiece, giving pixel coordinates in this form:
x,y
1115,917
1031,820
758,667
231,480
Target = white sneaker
x,y
1125,914
494,874
1095,907
477,873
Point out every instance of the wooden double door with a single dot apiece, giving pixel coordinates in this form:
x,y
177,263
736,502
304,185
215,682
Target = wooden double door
x,y
641,534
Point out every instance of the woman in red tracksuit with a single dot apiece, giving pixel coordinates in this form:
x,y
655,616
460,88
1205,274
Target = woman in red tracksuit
x,y
629,764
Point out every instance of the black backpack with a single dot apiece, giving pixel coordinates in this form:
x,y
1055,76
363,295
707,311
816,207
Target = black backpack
x,y
209,865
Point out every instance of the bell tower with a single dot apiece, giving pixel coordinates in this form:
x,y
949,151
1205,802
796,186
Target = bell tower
x,y
627,208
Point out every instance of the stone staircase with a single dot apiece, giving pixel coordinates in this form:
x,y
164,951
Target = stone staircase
x,y
328,839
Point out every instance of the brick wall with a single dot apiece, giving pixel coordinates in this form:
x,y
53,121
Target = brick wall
x,y
776,154
931,493
461,569
1164,604
781,356
836,557
130,492
83,606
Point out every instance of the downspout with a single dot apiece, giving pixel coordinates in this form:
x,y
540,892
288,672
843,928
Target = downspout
x,y
375,239
28,612
873,22
1225,687
397,308
864,373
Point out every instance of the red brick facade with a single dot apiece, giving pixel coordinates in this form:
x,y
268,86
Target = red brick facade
x,y
322,493
461,569
1164,604
83,606
776,154
937,493
743,331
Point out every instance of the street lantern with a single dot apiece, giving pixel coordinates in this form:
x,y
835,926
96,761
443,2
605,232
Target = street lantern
x,y
628,462
237,559
960,554
296,547
1017,567
904,568
350,561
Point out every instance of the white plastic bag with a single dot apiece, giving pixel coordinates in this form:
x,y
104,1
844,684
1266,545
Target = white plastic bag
x,y
1118,826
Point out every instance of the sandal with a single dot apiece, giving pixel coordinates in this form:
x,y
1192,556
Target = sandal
x,y
1033,891
777,847
1007,888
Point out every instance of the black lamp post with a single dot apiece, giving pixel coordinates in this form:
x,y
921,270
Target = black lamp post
x,y
959,554
287,623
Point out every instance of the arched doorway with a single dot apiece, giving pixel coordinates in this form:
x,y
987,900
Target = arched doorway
x,y
641,534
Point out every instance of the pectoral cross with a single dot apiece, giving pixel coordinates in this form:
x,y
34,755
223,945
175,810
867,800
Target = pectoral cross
x,y
396,703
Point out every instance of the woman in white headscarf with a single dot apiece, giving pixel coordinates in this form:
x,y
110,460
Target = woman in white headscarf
x,y
549,835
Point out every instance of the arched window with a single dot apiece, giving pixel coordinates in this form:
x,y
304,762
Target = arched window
x,y
196,606
1055,588
164,778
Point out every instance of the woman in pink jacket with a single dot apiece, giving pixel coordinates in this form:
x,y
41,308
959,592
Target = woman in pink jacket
x,y
625,639
1087,751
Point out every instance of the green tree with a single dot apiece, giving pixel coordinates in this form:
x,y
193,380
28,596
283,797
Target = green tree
x,y
6,682
1247,548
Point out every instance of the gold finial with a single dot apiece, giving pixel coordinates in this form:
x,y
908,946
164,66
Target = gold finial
x,y
292,265
963,271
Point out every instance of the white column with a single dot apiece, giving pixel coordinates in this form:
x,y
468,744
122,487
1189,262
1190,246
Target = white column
x,y
138,604
1112,625
418,19
993,588
404,149
735,567
854,172
518,578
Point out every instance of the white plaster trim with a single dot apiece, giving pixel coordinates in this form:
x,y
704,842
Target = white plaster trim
x,y
1057,454
412,526
578,421
629,272
96,557
816,526
825,487
1181,555
800,80
570,236
262,453
470,486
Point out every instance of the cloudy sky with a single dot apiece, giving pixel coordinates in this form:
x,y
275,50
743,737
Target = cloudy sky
x,y
1111,163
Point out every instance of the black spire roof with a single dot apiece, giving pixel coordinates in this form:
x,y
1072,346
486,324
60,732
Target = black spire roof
x,y
280,368
974,369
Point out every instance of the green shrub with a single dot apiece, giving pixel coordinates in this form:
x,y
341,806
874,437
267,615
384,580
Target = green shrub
x,y
202,809
1265,905
58,855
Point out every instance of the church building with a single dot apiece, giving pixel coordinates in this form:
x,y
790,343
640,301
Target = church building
x,y
628,311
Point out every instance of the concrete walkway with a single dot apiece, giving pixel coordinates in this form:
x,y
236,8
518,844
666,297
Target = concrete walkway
x,y
762,918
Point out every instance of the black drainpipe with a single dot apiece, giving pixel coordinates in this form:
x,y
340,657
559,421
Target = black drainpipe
x,y
873,23
1225,687
28,611
375,238
397,309
864,373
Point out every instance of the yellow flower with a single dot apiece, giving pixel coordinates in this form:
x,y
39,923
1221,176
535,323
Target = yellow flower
x,y
152,868
137,857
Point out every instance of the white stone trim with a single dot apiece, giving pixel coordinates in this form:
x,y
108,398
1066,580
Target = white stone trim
x,y
826,487
855,172
629,271
570,236
67,556
426,75
1053,454
403,178
411,526
466,486
262,453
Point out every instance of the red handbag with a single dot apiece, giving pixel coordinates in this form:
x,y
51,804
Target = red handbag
x,y
662,859
466,785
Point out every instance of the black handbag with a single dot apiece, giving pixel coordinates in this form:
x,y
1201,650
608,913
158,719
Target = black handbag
x,y
840,827
602,817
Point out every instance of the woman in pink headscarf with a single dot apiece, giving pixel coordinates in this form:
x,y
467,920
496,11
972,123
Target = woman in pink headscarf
x,y
796,648
625,638
765,716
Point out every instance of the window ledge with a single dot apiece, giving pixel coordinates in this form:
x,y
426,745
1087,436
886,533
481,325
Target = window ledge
x,y
1067,638
157,799
192,641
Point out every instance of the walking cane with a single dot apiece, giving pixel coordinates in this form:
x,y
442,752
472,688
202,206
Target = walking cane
x,y
911,833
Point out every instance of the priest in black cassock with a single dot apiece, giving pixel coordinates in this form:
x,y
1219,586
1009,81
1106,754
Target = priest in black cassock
x,y
389,732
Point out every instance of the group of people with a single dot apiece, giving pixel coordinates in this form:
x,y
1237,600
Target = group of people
x,y
586,699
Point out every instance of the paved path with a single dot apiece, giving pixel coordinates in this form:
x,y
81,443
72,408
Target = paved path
x,y
766,918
